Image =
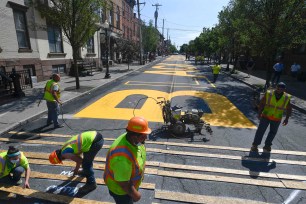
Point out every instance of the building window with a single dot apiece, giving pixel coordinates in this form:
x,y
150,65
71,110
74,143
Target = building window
x,y
30,67
90,45
118,18
59,69
21,29
55,39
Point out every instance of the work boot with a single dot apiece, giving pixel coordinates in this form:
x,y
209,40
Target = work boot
x,y
59,126
88,187
17,183
266,149
254,148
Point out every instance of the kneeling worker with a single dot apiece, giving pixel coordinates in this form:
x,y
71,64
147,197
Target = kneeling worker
x,y
89,143
14,162
125,162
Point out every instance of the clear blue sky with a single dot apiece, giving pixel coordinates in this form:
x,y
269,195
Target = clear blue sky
x,y
184,18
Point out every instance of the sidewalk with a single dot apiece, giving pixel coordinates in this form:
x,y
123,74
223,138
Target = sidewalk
x,y
294,87
24,110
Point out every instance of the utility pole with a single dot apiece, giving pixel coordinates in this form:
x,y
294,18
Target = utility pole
x,y
156,13
163,26
140,33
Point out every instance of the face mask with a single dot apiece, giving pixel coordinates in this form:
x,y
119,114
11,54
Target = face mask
x,y
14,161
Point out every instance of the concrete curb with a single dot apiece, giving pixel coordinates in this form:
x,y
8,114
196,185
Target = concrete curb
x,y
38,115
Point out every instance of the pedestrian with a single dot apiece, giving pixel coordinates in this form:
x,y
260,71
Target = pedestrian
x,y
278,68
215,70
53,97
250,65
12,165
270,112
87,143
125,162
294,69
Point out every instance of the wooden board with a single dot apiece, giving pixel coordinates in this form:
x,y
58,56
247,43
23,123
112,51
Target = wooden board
x,y
47,196
273,184
193,198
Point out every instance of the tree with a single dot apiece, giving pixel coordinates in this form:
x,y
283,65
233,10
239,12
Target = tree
x,y
77,20
184,48
127,48
150,38
272,27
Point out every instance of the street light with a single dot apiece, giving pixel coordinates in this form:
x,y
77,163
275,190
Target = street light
x,y
105,25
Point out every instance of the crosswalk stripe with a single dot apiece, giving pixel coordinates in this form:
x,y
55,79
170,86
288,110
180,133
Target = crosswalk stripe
x,y
196,154
275,151
274,184
45,156
40,175
221,156
47,196
194,198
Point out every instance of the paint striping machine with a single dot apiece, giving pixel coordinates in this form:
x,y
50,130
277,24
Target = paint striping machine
x,y
176,121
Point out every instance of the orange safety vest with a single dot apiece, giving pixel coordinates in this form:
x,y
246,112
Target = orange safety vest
x,y
125,152
274,109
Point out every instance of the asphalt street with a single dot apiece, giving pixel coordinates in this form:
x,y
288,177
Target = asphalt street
x,y
218,169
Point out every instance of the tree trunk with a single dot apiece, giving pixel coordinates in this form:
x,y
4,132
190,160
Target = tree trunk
x,y
75,57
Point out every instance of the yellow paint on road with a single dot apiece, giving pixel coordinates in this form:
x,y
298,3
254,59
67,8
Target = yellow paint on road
x,y
224,113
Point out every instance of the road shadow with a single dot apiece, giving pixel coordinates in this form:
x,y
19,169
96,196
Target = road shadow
x,y
258,163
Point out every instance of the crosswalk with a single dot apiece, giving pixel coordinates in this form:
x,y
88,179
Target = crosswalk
x,y
168,170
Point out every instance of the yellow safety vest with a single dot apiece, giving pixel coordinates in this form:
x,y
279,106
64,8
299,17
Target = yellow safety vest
x,y
216,69
6,167
48,91
80,143
274,109
133,158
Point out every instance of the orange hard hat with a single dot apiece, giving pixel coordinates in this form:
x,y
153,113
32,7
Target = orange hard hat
x,y
53,158
138,125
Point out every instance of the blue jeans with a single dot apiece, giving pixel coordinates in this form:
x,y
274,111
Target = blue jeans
x,y
53,111
17,172
89,156
263,125
122,199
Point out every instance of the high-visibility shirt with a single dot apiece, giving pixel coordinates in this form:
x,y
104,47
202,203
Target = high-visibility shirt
x,y
274,109
80,143
6,166
48,91
124,162
216,69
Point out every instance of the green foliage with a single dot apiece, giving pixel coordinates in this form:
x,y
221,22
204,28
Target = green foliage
x,y
128,48
77,19
200,58
150,37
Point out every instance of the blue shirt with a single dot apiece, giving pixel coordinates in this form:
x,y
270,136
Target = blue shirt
x,y
278,67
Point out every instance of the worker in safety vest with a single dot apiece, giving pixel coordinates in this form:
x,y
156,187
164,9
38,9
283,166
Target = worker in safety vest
x,y
12,165
270,112
89,143
52,96
125,162
215,70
